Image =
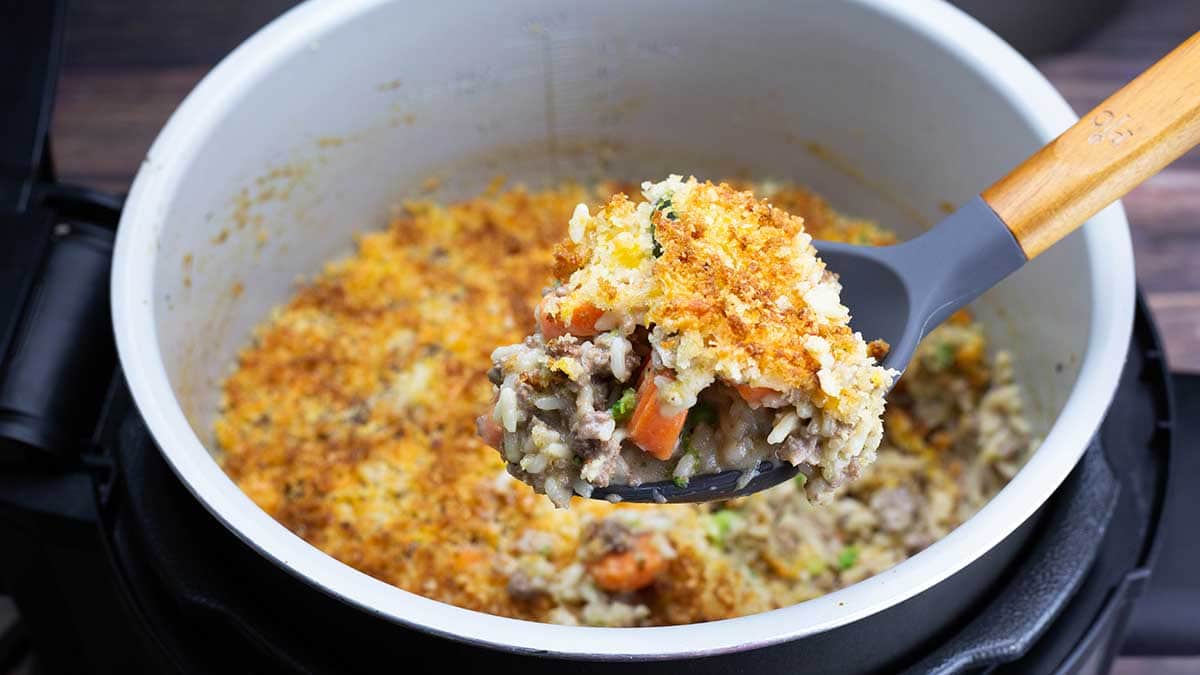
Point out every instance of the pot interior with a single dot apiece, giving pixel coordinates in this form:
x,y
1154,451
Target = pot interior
x,y
325,140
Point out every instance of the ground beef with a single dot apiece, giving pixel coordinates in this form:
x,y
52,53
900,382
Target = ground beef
x,y
522,587
800,449
566,346
606,536
495,375
896,508
594,425
593,358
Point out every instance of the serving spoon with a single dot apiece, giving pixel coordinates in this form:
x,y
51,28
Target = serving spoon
x,y
899,293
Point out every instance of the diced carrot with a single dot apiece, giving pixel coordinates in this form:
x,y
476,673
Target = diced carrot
x,y
581,324
490,431
631,569
583,320
649,427
961,318
754,395
548,323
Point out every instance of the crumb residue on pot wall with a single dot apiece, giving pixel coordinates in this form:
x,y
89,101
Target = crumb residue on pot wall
x,y
844,166
242,233
401,116
187,272
1046,373
431,184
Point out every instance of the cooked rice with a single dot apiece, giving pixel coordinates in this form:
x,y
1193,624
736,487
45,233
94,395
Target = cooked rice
x,y
708,291
350,419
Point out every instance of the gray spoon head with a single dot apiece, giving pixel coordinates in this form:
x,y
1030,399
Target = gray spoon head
x,y
895,293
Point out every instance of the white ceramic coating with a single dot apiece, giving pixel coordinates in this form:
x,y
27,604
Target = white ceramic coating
x,y
340,108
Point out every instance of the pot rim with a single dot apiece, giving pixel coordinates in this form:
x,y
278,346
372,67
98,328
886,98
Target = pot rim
x,y
1108,246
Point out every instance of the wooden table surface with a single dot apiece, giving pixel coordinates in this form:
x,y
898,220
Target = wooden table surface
x,y
128,64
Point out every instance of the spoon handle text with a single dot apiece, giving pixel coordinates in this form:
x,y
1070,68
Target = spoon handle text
x,y
1137,131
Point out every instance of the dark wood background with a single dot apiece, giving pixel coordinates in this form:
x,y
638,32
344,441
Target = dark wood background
x,y
130,62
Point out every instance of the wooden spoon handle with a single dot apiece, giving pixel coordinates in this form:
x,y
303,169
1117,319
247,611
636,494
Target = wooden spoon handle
x,y
1126,139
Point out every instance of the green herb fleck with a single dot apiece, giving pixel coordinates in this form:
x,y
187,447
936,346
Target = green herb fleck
x,y
622,410
942,356
680,481
801,480
701,412
663,204
847,557
723,522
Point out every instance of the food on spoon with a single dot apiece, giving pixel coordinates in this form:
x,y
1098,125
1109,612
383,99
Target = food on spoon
x,y
690,333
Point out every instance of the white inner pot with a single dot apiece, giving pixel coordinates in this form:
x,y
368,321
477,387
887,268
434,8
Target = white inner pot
x,y
318,125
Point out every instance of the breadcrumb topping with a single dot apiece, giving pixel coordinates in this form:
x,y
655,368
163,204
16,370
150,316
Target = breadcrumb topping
x,y
350,419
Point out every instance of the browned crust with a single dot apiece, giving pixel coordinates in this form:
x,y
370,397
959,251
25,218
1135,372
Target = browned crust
x,y
305,419
724,283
